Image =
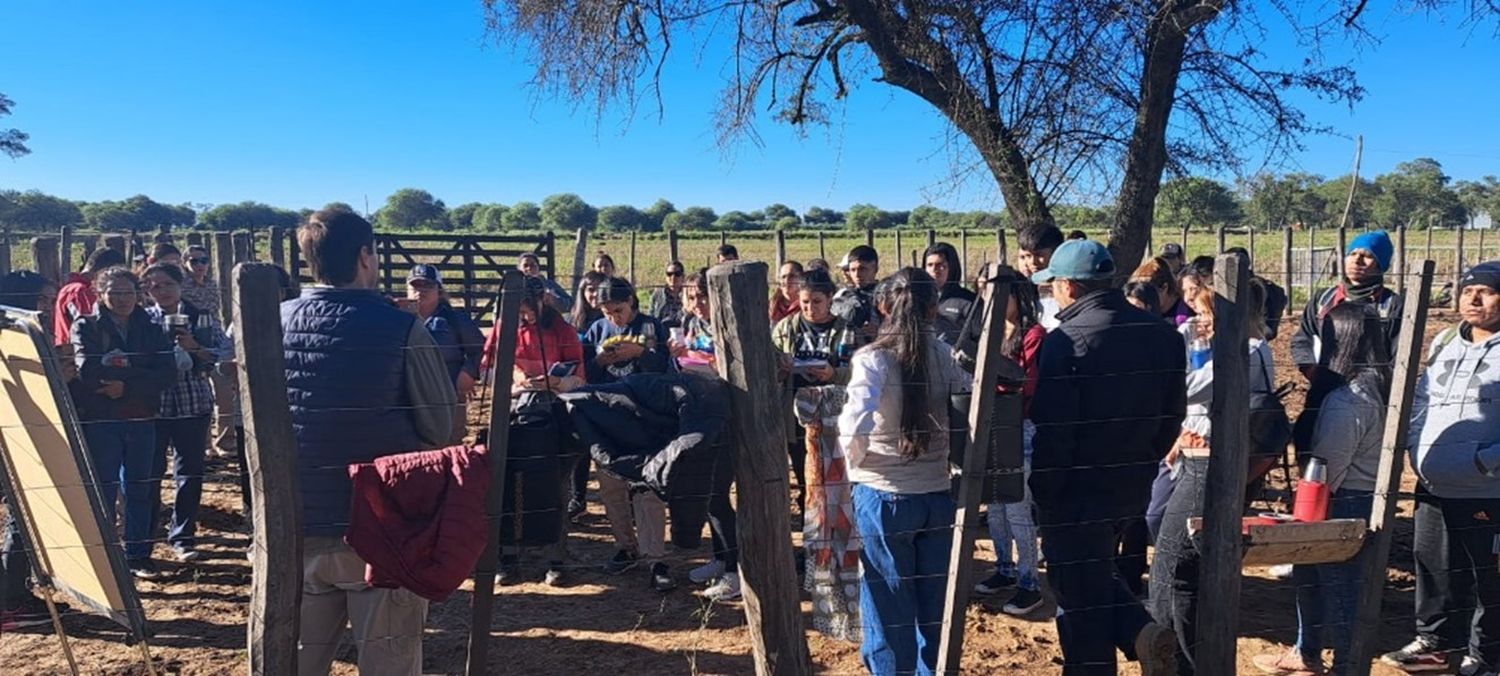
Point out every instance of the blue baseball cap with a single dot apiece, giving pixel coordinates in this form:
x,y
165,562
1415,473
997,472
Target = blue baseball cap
x,y
1077,259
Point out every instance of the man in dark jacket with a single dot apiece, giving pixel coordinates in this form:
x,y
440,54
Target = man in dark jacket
x,y
364,380
1366,260
1108,405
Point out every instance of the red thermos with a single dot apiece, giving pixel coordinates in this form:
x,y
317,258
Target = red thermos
x,y
1312,493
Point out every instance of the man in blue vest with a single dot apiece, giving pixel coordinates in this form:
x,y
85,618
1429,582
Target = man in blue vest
x,y
364,380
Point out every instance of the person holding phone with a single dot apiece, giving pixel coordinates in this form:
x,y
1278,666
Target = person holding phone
x,y
627,341
548,353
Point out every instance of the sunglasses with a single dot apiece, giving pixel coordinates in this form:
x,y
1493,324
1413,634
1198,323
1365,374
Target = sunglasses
x,y
674,273
198,261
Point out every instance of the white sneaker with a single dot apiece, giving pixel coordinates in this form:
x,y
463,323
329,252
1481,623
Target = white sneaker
x,y
707,572
1282,571
1471,666
727,588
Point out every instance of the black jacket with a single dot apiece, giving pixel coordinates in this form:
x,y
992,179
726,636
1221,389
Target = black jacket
x,y
658,431
1276,302
1109,403
150,368
1307,346
955,305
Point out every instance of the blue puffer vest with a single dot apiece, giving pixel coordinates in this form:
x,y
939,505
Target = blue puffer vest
x,y
345,377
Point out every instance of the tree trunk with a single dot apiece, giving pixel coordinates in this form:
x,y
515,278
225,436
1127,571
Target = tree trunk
x,y
1146,156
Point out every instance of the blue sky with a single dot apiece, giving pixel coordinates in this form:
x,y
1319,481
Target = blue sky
x,y
301,103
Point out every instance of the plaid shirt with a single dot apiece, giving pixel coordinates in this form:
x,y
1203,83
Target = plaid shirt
x,y
203,296
191,396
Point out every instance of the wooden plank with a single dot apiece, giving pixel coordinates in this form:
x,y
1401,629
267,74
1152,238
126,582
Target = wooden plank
x,y
1224,491
497,447
65,252
223,274
270,456
44,258
742,339
1377,549
971,485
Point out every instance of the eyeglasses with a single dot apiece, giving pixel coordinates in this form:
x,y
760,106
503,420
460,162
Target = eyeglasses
x,y
198,261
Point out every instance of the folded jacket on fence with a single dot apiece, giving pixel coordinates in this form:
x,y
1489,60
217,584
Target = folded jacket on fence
x,y
658,431
418,518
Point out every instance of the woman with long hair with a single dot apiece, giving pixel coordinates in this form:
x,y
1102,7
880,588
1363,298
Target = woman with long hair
x,y
784,298
894,428
1340,427
941,262
586,309
1012,523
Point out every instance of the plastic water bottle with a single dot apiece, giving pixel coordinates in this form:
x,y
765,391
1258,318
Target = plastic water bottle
x,y
1200,348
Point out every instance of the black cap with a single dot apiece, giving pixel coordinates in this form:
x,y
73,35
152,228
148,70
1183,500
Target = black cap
x,y
614,290
425,272
1171,250
1484,274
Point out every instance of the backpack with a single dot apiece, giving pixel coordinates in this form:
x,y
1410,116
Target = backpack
x,y
1270,429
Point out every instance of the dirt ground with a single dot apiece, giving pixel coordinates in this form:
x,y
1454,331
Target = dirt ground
x,y
608,625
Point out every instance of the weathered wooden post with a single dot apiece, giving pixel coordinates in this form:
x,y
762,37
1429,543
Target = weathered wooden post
x,y
195,239
870,237
1286,266
963,248
1429,238
780,248
931,237
270,456
65,252
723,237
223,273
672,245
1002,254
1458,263
44,258
118,243
580,251
1220,241
1224,491
1312,259
278,247
822,249
5,253
982,411
742,339
1185,255
244,246
1339,254
1400,267
1254,255
898,248
497,449
632,258
1376,552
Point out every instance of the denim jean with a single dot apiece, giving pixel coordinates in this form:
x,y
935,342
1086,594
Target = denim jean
x,y
1328,592
906,542
1458,587
15,567
188,438
122,453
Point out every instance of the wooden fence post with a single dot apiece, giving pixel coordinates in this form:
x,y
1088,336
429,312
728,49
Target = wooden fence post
x,y
1002,254
982,410
470,304
632,258
1376,552
1185,256
870,237
780,249
244,247
1254,255
1224,491
580,251
1429,238
278,247
497,447
931,237
1220,241
118,243
44,258
223,273
270,457
195,239
672,246
1401,259
65,252
1286,266
1312,259
1458,264
963,250
822,249
742,339
1339,254
5,253
899,263
723,237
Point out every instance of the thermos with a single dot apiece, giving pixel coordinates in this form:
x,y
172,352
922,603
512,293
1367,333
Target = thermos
x,y
1312,493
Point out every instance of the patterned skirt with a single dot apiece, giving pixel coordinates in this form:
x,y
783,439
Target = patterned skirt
x,y
829,538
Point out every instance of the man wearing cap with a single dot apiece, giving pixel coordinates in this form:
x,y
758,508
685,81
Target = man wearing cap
x,y
1366,259
1171,252
556,296
855,303
1455,448
455,334
1109,403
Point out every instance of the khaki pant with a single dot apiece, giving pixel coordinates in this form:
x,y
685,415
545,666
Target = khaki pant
x,y
226,409
387,622
639,521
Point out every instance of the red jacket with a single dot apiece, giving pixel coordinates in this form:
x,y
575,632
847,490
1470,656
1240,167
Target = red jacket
x,y
418,519
75,299
560,343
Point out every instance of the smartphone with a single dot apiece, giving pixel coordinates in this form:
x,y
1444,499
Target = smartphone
x,y
562,369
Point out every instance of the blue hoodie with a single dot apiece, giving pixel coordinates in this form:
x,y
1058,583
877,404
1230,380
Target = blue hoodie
x,y
1455,429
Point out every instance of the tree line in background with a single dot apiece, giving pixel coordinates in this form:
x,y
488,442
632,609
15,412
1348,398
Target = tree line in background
x,y
1415,194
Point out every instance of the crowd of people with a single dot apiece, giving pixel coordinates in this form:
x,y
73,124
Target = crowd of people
x,y
1115,384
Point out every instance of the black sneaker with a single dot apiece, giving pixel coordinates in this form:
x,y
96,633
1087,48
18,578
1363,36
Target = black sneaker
x,y
576,508
144,569
1024,602
623,560
995,584
1416,657
661,578
509,572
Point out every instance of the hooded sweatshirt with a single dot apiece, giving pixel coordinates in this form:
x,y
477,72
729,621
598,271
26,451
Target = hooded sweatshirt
x,y
1455,428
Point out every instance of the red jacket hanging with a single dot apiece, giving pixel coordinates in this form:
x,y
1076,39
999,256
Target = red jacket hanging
x,y
418,519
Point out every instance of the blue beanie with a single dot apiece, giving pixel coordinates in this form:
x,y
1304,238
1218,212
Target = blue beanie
x,y
1377,243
